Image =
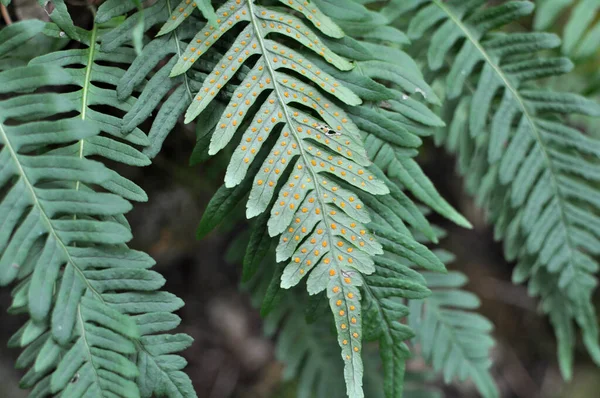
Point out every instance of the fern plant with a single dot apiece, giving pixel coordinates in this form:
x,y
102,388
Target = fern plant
x,y
320,108
533,172
388,132
95,307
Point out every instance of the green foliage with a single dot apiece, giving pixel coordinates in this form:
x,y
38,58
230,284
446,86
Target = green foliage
x,y
315,211
581,33
535,174
93,303
453,339
391,139
306,339
320,108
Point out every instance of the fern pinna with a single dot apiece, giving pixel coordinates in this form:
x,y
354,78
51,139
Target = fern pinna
x,y
96,312
536,175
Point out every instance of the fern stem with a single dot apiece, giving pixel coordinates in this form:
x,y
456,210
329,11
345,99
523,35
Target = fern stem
x,y
5,15
86,88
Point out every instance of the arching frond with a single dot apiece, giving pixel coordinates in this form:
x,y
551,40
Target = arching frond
x,y
93,303
389,133
581,33
288,107
537,175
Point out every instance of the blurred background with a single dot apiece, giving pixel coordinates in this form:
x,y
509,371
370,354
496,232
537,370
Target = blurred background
x,y
231,356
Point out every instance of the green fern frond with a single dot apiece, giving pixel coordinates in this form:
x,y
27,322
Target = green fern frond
x,y
453,339
385,131
534,173
93,303
86,73
320,221
394,280
581,33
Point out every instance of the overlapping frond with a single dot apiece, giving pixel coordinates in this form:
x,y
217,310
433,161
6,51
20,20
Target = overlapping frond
x,y
149,72
392,134
93,303
581,34
312,158
391,122
453,338
393,118
537,176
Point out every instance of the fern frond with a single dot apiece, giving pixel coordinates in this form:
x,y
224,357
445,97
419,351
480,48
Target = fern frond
x,y
391,126
536,174
93,303
455,340
321,222
91,95
392,119
581,33
388,132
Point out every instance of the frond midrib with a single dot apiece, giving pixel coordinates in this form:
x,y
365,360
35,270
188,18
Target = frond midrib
x,y
86,88
85,340
553,174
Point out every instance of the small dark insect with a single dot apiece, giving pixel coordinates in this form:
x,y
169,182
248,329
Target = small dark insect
x,y
327,130
75,378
